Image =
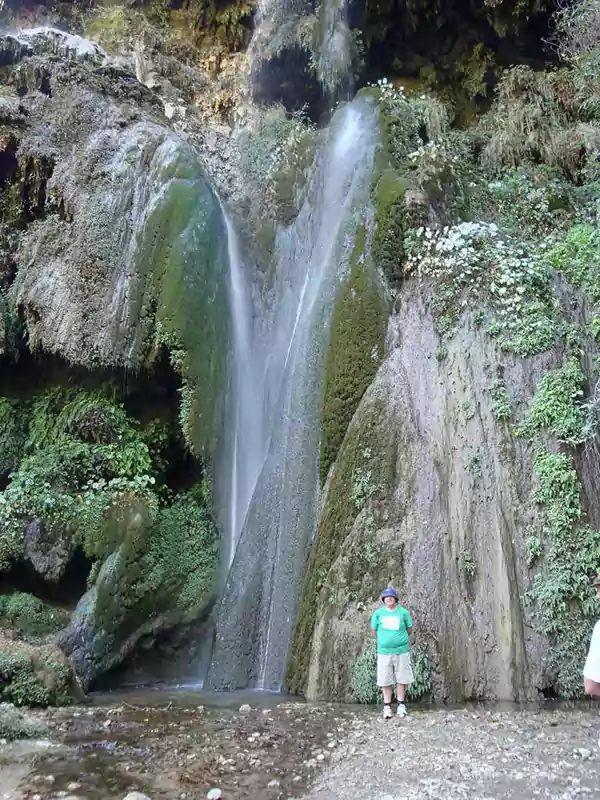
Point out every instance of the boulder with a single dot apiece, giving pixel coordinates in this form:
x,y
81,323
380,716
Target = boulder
x,y
48,548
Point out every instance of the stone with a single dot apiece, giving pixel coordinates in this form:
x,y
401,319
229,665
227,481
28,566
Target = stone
x,y
273,784
170,110
136,796
48,548
245,708
214,794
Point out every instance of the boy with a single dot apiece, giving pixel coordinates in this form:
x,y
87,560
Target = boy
x,y
393,624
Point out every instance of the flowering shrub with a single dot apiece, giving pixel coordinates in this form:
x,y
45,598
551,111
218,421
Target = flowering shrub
x,y
472,261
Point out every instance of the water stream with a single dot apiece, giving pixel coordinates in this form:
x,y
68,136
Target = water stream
x,y
275,399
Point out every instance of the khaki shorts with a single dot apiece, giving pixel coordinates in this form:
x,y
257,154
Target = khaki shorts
x,y
394,669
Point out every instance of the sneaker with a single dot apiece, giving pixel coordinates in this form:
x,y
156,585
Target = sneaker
x,y
401,711
387,712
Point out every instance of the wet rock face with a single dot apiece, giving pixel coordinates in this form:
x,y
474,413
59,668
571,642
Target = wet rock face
x,y
112,256
431,492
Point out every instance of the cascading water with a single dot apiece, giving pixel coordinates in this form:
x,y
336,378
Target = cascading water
x,y
267,482
275,407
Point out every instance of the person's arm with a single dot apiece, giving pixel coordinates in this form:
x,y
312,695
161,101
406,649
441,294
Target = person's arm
x,y
375,622
409,625
591,687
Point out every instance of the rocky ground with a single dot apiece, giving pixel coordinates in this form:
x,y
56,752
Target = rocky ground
x,y
183,750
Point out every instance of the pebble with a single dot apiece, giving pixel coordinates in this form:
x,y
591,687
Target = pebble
x,y
584,752
72,787
273,784
214,794
245,708
136,796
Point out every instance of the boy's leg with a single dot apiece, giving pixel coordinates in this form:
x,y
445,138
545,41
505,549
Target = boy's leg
x,y
404,677
385,681
387,695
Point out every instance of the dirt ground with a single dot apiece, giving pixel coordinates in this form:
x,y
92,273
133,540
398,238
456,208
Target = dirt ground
x,y
176,751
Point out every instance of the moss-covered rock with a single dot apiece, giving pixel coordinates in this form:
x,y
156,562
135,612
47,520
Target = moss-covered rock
x,y
356,477
129,282
355,351
35,676
388,239
28,614
157,569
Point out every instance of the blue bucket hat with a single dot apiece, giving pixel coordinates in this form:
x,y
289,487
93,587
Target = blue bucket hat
x,y
390,592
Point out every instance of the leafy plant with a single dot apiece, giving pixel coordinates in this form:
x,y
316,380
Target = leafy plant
x,y
474,260
501,407
30,614
562,601
557,405
468,563
363,682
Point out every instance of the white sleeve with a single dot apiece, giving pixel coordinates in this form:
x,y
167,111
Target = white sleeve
x,y
592,662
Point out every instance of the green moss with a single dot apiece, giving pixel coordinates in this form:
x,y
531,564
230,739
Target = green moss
x,y
161,566
110,27
388,239
81,451
356,478
355,351
182,264
34,676
29,614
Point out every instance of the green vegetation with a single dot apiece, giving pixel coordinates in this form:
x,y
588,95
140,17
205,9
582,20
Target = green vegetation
x,y
277,158
13,434
562,601
501,407
88,471
557,406
30,615
363,682
81,451
468,563
355,352
165,564
186,27
358,476
38,676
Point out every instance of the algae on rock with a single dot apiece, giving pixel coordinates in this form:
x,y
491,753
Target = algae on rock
x,y
355,351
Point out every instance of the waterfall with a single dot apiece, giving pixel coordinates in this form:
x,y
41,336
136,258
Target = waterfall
x,y
275,399
333,59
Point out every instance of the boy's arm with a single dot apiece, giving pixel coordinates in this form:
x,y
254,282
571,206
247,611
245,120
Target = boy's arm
x,y
375,621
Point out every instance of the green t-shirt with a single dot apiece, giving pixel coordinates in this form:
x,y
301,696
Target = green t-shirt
x,y
391,627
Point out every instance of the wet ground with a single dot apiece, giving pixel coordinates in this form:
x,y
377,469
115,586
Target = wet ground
x,y
181,745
